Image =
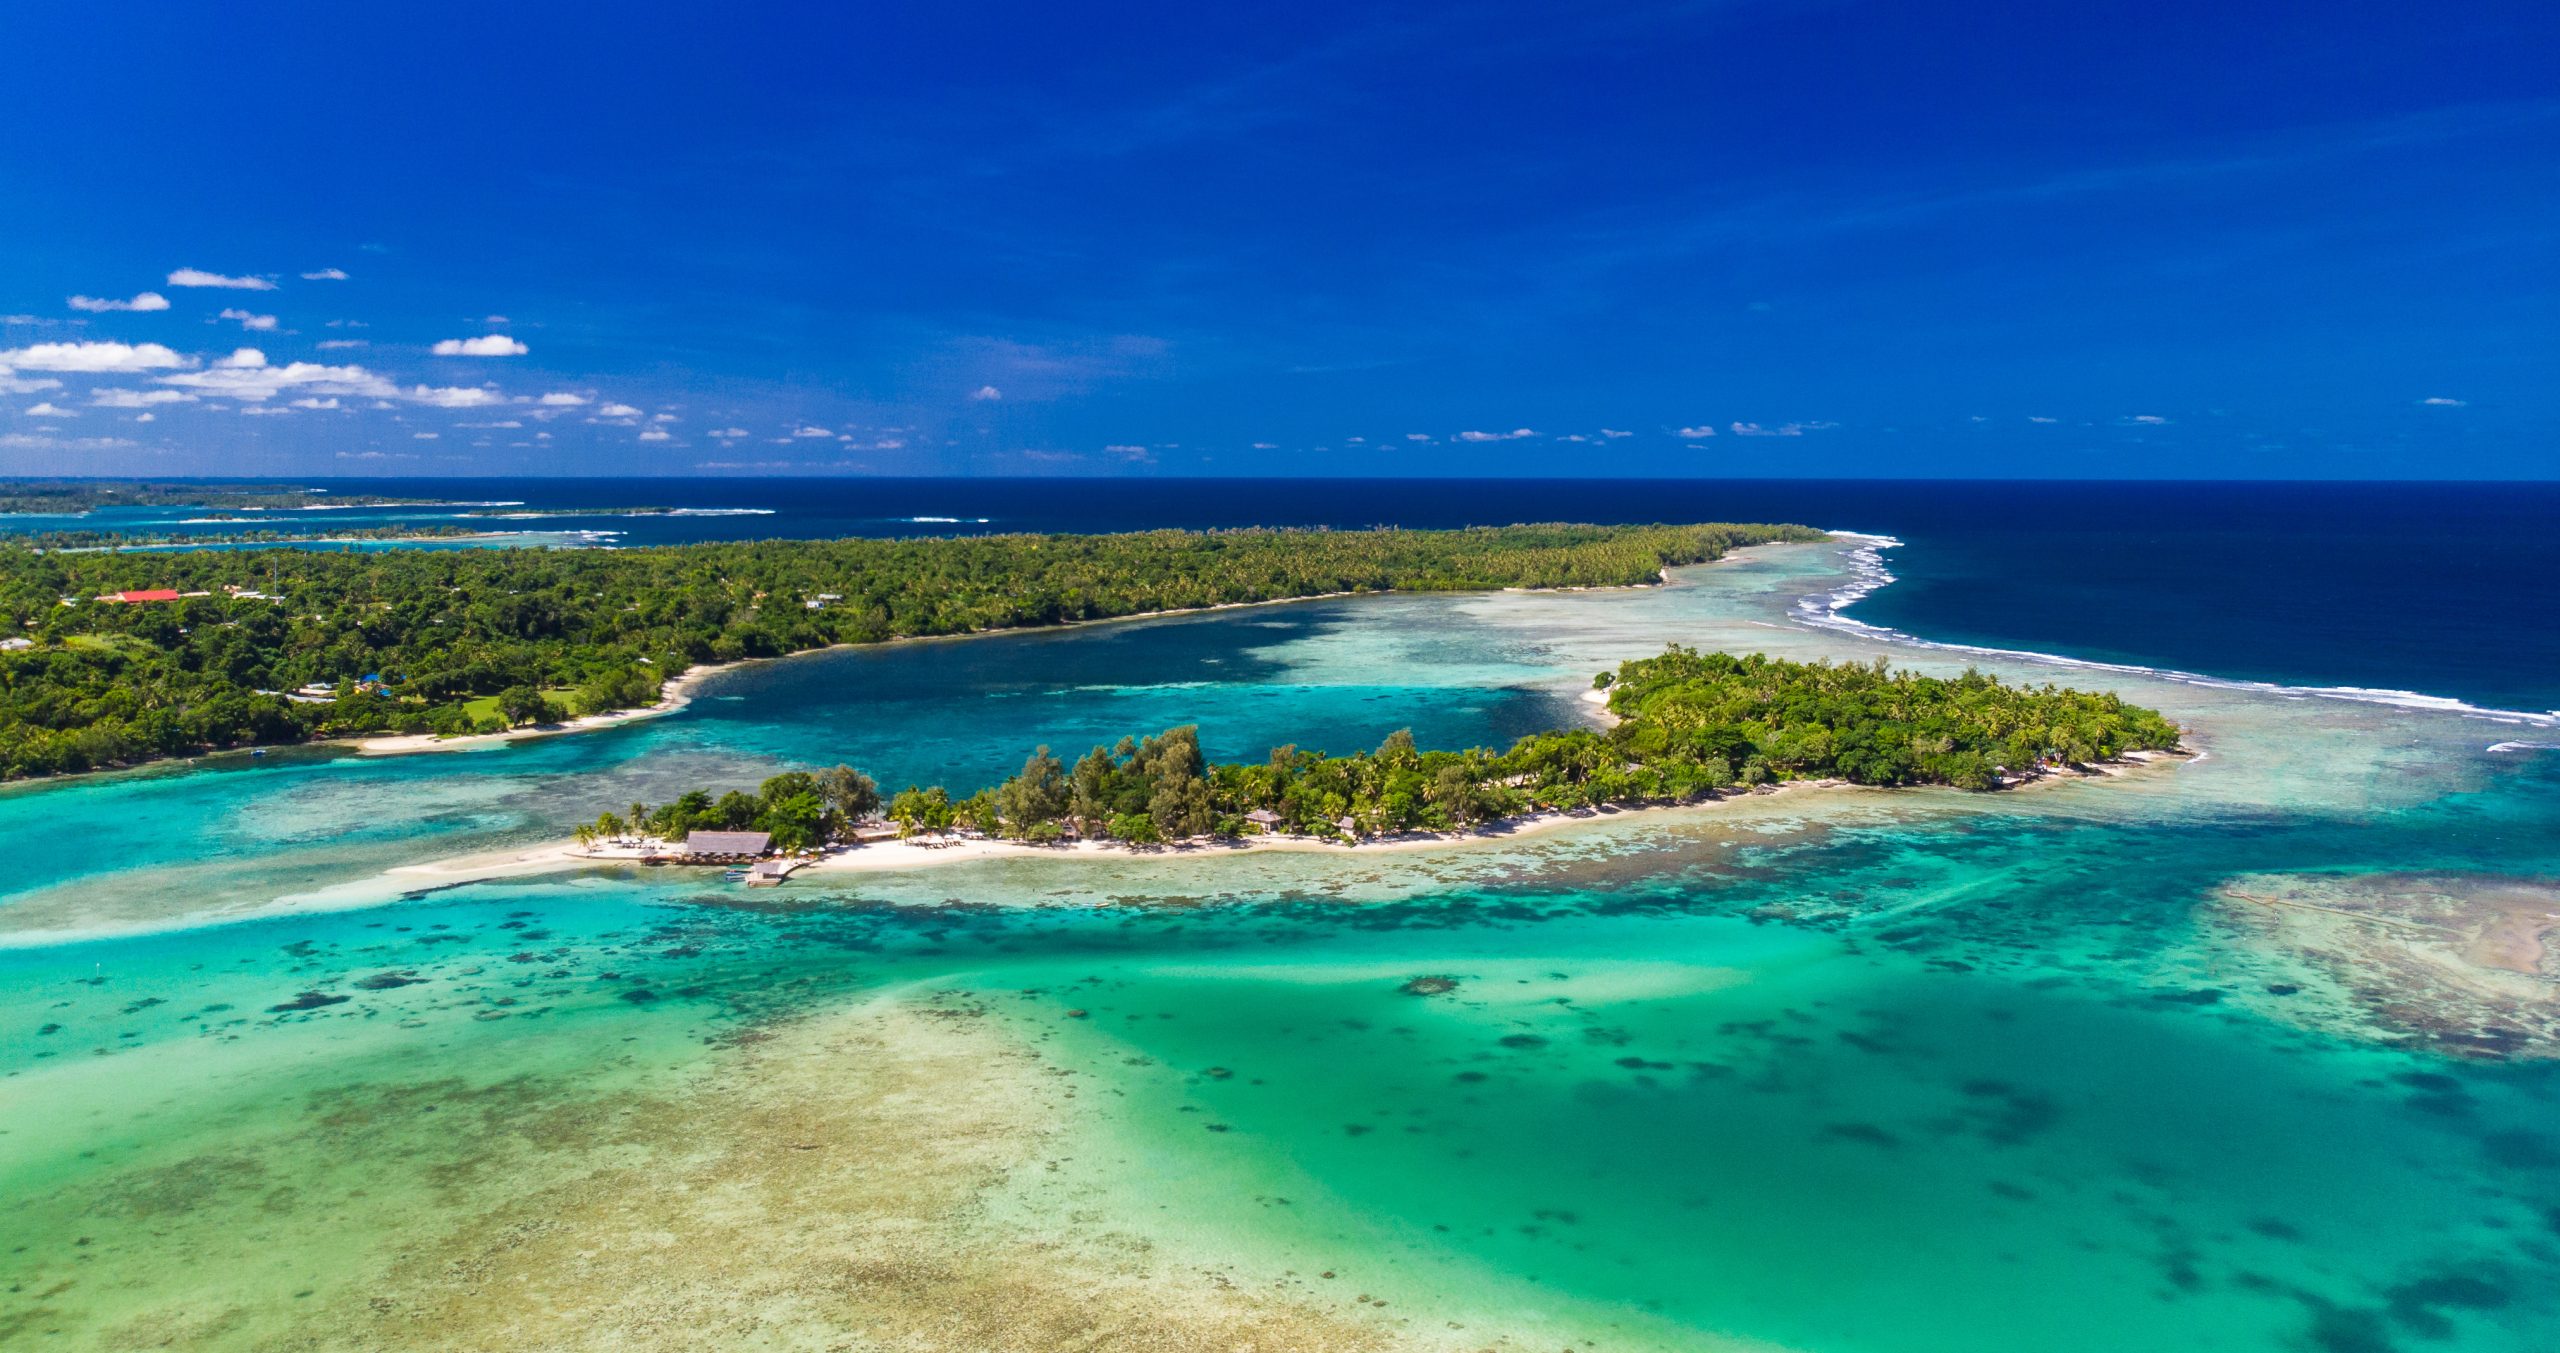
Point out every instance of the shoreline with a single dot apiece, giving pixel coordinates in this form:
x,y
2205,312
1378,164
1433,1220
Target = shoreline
x,y
905,855
679,690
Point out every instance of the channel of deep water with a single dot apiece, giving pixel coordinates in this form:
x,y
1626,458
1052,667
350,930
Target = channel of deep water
x,y
2123,1063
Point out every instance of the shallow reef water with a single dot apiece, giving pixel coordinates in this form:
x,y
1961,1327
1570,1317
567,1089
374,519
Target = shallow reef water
x,y
1832,1070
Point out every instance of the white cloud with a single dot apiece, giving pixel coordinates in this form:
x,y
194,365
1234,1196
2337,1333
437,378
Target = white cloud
x,y
1781,430
986,394
146,418
314,402
20,441
562,399
425,436
25,385
198,277
501,423
657,435
2040,418
487,345
338,344
262,411
245,376
493,319
136,399
1266,446
1417,436
49,409
1513,435
811,430
90,357
2147,419
2441,402
664,418
617,411
729,432
326,275
149,300
1613,433
453,396
1693,434
250,321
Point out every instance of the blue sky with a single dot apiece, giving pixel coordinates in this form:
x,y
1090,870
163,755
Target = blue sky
x,y
2254,240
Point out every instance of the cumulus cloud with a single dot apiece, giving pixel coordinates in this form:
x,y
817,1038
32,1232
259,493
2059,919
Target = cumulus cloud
x,y
97,305
657,435
2147,419
246,376
617,411
2040,418
986,394
425,436
136,399
1417,436
90,357
250,321
2439,401
1613,433
1756,430
338,344
49,409
1512,436
729,432
453,396
314,402
811,430
25,385
561,399
487,345
198,277
146,418
1693,434
326,275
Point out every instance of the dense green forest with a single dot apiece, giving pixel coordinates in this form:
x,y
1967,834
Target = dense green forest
x,y
454,641
1689,725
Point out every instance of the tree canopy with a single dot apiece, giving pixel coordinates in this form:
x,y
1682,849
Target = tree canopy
x,y
419,640
1690,725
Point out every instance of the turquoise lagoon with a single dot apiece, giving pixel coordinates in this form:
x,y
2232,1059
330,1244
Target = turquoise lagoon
x,y
1826,1071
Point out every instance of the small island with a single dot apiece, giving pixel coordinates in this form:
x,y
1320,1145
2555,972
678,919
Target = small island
x,y
1689,727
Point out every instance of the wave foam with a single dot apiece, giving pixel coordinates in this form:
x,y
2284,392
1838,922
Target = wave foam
x,y
1868,574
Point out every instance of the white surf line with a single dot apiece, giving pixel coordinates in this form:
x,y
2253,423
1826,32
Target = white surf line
x,y
1868,574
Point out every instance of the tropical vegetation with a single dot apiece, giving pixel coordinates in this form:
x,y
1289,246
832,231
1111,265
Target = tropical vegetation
x,y
283,645
1688,725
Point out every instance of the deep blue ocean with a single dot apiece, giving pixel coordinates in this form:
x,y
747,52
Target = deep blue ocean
x,y
2441,589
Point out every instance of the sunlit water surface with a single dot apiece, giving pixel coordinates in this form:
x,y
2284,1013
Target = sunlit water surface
x,y
1850,1071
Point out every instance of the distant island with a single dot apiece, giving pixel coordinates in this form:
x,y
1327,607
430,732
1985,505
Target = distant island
x,y
1689,726
117,658
74,497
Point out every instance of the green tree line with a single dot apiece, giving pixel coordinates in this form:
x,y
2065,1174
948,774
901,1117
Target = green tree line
x,y
547,632
1689,725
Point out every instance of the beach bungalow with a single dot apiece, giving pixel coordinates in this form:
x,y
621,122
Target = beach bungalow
x,y
1350,826
714,846
1263,819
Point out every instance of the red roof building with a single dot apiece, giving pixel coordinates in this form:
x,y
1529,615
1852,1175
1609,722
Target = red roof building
x,y
145,594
